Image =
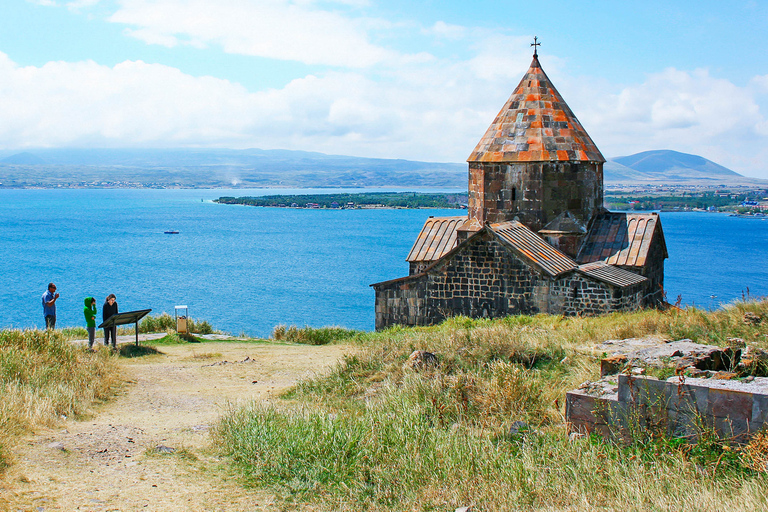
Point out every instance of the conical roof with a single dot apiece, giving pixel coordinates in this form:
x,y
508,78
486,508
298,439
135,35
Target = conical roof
x,y
535,125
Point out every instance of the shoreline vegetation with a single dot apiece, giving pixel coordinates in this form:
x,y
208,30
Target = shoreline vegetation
x,y
482,425
354,201
752,204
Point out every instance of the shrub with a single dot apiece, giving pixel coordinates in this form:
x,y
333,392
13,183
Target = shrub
x,y
314,336
166,323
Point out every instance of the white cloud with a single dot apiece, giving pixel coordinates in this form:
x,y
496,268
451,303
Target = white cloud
x,y
278,29
446,30
692,112
80,4
424,112
423,108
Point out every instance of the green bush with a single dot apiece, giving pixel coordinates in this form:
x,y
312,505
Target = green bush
x,y
166,323
314,336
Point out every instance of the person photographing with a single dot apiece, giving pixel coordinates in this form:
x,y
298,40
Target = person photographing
x,y
49,306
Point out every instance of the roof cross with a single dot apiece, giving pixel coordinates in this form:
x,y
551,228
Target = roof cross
x,y
535,43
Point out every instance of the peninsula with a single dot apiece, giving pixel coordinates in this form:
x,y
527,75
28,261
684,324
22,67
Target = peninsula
x,y
363,200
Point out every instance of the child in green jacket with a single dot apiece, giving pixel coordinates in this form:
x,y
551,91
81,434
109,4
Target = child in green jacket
x,y
90,319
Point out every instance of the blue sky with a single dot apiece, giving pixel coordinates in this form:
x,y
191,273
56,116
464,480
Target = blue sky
x,y
418,80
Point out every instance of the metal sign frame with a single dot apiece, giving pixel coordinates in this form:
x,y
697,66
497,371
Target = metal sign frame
x,y
129,317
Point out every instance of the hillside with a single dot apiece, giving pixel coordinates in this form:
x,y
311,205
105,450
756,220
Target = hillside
x,y
667,165
254,168
217,168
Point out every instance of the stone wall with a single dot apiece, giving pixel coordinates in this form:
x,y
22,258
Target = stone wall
x,y
733,409
481,280
576,294
485,279
535,192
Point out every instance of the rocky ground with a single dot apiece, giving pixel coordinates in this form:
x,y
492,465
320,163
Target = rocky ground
x,y
150,449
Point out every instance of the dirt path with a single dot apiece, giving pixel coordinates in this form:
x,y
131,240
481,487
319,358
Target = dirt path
x,y
111,462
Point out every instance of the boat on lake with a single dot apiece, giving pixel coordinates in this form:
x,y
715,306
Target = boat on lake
x,y
171,232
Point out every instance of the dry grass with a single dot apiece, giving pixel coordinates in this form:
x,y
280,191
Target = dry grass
x,y
44,378
374,434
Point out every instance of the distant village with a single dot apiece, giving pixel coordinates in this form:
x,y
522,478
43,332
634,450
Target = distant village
x,y
737,199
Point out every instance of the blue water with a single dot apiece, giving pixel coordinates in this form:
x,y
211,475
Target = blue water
x,y
247,269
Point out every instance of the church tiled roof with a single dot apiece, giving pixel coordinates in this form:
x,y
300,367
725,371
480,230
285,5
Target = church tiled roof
x,y
532,247
437,237
622,239
535,125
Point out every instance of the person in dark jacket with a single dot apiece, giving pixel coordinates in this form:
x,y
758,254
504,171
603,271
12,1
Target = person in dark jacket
x,y
90,319
107,310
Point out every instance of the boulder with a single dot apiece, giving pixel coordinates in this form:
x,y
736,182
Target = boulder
x,y
754,361
612,365
421,359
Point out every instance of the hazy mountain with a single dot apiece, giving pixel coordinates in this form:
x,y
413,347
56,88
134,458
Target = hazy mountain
x,y
283,168
23,159
666,165
220,168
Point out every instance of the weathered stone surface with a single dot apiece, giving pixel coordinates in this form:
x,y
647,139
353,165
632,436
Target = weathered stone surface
x,y
518,427
421,359
724,376
735,409
681,354
612,365
751,318
754,361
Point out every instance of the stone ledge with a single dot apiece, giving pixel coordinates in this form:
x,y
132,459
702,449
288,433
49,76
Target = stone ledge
x,y
681,407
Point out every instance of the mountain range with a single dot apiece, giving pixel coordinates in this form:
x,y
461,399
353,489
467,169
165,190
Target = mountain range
x,y
197,168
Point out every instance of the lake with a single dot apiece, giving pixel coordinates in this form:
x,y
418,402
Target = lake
x,y
247,269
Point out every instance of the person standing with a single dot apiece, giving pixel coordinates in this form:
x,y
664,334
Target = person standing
x,y
49,306
107,310
90,319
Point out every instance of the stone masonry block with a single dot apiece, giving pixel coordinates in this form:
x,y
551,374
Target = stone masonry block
x,y
646,391
581,408
688,398
728,428
759,409
727,403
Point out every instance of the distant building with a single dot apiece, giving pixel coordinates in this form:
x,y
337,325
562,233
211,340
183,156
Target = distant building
x,y
536,238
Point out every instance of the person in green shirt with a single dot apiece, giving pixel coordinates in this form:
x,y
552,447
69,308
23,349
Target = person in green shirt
x,y
90,319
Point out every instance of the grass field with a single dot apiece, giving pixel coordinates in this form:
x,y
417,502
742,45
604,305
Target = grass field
x,y
373,434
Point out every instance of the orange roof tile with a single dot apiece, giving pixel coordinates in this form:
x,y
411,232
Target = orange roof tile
x,y
437,237
535,116
621,239
533,247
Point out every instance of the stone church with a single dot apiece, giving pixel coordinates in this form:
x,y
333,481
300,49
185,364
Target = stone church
x,y
537,238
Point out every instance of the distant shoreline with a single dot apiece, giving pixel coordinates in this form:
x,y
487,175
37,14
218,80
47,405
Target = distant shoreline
x,y
346,201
